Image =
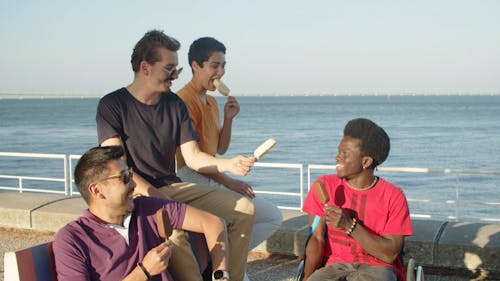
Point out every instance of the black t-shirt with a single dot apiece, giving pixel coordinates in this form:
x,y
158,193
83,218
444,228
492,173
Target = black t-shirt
x,y
150,133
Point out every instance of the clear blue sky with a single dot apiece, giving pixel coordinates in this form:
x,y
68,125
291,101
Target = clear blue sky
x,y
274,47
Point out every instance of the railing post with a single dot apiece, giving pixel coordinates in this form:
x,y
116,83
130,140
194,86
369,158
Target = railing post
x,y
308,176
457,198
66,182
301,186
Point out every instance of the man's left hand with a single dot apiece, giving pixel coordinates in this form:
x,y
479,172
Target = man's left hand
x,y
337,217
231,108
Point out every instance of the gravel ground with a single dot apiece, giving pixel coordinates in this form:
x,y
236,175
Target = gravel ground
x,y
260,267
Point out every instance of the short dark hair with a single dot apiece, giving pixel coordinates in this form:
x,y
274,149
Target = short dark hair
x,y
147,48
93,165
201,49
375,142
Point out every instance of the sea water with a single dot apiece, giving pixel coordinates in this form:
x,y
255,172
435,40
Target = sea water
x,y
436,132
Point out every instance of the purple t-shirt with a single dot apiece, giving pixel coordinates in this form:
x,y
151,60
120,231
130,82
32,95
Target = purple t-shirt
x,y
150,133
87,249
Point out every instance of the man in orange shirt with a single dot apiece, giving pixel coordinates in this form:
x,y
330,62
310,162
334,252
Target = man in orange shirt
x,y
207,61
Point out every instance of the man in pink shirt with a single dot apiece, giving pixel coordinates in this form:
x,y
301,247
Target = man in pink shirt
x,y
366,216
117,237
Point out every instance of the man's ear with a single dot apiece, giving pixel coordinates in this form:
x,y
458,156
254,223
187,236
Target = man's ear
x,y
95,190
367,162
144,67
195,65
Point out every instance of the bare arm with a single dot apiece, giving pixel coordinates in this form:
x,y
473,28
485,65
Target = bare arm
x,y
231,109
315,249
214,228
225,136
143,187
385,248
205,163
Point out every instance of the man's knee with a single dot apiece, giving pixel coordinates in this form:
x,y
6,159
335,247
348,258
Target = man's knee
x,y
245,206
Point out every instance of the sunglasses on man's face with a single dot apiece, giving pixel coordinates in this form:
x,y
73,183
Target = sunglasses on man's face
x,y
126,176
172,71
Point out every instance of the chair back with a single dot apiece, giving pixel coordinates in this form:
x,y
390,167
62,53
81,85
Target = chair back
x,y
35,263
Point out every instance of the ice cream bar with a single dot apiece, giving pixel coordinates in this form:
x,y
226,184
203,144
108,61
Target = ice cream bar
x,y
264,148
221,87
163,224
319,188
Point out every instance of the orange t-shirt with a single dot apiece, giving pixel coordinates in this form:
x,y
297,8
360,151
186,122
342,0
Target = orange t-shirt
x,y
205,118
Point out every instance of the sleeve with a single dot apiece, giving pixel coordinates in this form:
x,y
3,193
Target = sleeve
x,y
194,114
187,132
108,121
399,221
71,263
176,213
312,205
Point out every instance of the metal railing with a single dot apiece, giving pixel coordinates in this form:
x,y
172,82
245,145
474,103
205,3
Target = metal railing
x,y
21,179
456,202
69,189
299,194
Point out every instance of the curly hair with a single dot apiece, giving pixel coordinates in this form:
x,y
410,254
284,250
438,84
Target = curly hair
x,y
147,48
375,142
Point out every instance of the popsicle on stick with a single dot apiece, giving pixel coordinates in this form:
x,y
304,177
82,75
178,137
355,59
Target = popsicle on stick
x,y
319,188
163,224
221,87
264,148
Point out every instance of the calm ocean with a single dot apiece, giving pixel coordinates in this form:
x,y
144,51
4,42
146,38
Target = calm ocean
x,y
437,132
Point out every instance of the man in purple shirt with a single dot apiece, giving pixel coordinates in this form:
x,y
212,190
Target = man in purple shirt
x,y
117,237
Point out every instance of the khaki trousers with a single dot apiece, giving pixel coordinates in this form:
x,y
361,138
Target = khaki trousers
x,y
353,272
239,214
268,217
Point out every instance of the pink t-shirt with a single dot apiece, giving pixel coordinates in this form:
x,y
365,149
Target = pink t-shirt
x,y
382,209
86,249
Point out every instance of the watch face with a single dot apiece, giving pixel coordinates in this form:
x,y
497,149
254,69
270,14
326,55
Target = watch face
x,y
218,274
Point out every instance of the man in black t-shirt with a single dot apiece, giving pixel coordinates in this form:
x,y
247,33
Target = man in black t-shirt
x,y
150,122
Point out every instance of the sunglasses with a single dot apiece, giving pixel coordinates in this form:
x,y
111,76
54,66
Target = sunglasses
x,y
172,71
126,176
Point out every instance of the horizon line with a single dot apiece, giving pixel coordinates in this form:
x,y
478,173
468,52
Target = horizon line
x,y
335,93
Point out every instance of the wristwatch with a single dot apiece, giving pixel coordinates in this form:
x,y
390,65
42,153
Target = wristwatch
x,y
220,275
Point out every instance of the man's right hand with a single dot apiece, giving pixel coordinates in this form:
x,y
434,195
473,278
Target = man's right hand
x,y
157,259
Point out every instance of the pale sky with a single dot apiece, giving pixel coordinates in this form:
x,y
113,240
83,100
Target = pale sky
x,y
74,47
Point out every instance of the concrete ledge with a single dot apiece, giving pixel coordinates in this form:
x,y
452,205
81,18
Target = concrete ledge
x,y
290,238
471,246
16,208
57,214
422,245
443,248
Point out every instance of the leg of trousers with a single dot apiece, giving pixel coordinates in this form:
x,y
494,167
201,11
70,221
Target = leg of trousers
x,y
236,210
268,217
353,272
